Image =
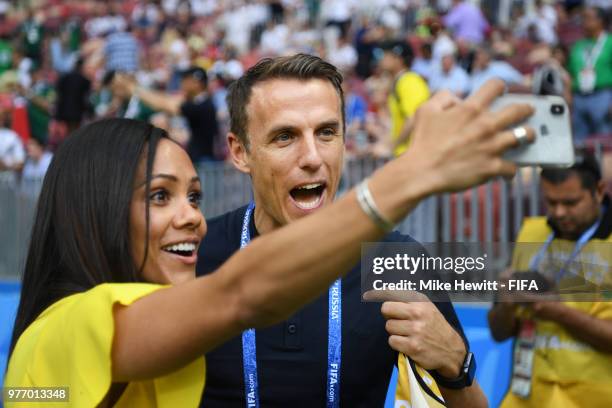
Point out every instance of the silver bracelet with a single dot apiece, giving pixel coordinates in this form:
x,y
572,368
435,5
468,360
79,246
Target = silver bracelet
x,y
367,204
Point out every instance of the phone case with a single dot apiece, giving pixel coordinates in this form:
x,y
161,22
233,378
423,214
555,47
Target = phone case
x,y
553,145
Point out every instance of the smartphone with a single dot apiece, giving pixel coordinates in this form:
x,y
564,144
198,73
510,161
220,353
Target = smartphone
x,y
553,145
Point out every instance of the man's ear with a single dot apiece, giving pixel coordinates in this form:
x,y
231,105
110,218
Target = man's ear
x,y
238,153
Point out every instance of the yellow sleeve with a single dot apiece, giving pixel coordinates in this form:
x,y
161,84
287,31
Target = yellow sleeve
x,y
69,345
534,229
602,310
534,232
412,91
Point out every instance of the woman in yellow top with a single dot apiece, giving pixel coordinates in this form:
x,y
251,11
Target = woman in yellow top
x,y
110,307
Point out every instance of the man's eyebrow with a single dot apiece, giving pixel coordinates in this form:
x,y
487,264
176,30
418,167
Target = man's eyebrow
x,y
281,129
329,123
288,128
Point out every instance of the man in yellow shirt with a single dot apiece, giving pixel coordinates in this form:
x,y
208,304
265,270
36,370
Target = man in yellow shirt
x,y
563,349
408,92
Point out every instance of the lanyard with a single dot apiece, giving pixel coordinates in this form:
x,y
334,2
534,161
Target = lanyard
x,y
590,56
334,339
580,243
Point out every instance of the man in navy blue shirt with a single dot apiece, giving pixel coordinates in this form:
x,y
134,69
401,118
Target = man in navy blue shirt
x,y
287,133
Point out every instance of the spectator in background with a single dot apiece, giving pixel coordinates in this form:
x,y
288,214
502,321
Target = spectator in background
x,y
543,19
275,38
355,108
550,76
6,54
337,13
23,66
122,51
466,22
423,64
73,105
74,30
175,126
5,6
106,21
63,58
449,76
604,4
378,120
32,33
277,11
195,104
563,351
41,98
590,65
569,22
559,59
37,161
228,67
178,57
407,92
485,68
123,104
366,39
442,43
344,55
12,154
146,13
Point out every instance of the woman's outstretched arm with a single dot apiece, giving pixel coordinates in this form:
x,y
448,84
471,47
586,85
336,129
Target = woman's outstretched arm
x,y
456,144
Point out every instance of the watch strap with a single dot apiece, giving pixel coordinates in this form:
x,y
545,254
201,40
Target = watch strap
x,y
465,377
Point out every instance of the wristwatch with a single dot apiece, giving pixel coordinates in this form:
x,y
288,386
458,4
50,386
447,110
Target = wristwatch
x,y
465,378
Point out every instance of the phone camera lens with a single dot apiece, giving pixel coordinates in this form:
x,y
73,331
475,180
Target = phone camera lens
x,y
557,109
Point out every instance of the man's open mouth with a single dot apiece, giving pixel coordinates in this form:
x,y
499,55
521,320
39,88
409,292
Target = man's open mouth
x,y
308,196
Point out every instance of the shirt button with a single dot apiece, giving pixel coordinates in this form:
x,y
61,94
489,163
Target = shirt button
x,y
292,328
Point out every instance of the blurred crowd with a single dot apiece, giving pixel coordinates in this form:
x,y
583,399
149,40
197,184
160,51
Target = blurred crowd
x,y
63,63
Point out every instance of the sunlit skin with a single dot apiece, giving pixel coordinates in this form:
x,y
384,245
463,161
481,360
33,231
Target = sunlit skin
x,y
174,216
570,207
295,140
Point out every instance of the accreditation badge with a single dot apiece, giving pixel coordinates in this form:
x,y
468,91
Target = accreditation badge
x,y
586,80
522,369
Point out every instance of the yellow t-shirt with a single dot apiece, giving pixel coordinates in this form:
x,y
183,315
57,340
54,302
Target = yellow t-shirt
x,y
69,345
409,92
566,371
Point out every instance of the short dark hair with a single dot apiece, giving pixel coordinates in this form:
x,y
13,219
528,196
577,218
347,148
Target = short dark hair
x,y
299,66
602,15
586,167
401,49
80,236
197,73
